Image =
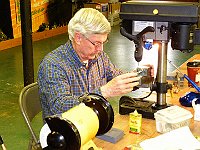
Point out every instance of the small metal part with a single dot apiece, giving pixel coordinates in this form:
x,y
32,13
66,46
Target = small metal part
x,y
145,73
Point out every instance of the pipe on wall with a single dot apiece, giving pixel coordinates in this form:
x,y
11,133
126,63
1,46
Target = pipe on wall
x,y
27,48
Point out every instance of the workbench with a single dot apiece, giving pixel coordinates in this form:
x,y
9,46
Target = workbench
x,y
149,125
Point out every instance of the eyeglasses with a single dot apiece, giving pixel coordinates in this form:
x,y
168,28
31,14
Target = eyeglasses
x,y
96,44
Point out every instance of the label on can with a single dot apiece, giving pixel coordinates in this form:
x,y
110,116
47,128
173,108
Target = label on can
x,y
197,79
135,122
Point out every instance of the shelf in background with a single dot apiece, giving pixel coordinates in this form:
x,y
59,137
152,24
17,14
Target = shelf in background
x,y
35,37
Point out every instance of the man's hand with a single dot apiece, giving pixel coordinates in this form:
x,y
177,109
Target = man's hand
x,y
121,84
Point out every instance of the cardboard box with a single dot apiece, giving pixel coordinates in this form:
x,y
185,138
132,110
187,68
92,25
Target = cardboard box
x,y
114,19
100,1
113,1
102,7
114,7
105,1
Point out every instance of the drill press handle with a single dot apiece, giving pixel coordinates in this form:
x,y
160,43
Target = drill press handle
x,y
138,40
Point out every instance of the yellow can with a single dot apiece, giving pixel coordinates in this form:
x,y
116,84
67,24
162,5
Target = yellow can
x,y
135,122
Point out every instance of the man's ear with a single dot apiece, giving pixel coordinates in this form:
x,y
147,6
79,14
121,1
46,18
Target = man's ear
x,y
77,37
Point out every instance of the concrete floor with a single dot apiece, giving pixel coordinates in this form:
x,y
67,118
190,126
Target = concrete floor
x,y
12,126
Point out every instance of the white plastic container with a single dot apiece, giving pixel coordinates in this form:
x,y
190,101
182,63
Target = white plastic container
x,y
196,108
172,118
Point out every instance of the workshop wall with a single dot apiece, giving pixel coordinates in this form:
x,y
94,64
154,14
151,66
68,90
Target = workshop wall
x,y
38,12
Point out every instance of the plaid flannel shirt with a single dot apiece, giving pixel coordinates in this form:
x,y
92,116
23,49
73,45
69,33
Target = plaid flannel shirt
x,y
63,78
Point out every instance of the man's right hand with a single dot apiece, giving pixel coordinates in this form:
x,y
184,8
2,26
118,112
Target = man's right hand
x,y
120,85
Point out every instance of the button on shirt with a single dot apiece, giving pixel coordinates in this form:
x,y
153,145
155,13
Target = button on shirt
x,y
63,78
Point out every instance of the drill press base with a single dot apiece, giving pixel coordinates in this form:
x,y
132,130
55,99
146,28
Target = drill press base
x,y
146,108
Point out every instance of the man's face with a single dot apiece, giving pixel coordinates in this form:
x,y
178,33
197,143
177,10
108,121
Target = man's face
x,y
90,46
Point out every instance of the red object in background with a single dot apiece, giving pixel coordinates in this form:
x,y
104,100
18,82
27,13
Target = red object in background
x,y
193,71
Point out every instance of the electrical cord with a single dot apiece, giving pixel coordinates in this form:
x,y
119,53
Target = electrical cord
x,y
142,98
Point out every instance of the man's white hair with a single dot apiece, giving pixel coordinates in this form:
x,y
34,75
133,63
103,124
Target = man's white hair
x,y
88,21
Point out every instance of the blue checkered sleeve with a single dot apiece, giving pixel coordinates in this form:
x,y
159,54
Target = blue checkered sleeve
x,y
63,78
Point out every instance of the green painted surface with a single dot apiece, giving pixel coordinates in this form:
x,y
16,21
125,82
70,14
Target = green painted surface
x,y
12,126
